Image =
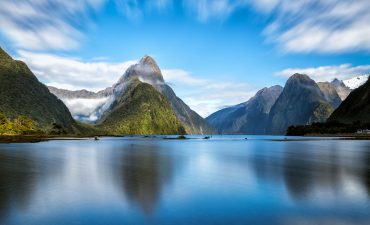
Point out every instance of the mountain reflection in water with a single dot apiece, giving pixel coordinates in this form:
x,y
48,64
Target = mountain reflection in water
x,y
154,181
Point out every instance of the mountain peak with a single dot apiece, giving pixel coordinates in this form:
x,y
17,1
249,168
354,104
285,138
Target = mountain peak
x,y
299,76
148,61
277,89
342,90
299,80
4,55
146,70
335,80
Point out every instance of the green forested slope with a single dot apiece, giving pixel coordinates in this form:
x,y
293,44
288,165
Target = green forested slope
x,y
141,110
21,94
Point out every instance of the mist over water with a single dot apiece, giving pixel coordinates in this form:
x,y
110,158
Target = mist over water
x,y
225,180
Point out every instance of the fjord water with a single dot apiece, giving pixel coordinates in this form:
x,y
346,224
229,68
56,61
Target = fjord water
x,y
224,180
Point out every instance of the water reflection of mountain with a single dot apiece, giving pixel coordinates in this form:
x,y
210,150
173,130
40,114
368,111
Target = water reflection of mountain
x,y
16,184
325,172
366,171
21,169
309,170
143,172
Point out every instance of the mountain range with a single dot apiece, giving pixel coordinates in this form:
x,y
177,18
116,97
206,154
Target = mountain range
x,y
146,71
274,109
142,103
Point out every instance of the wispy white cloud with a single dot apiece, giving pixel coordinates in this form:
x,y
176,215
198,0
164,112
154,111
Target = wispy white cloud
x,y
182,77
328,73
73,74
219,9
302,26
330,26
135,9
318,26
45,25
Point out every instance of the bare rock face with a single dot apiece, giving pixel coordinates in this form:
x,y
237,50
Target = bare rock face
x,y
342,90
249,117
301,102
330,94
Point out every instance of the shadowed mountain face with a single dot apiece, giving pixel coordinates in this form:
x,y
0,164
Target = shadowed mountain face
x,y
355,108
330,94
301,102
250,117
22,94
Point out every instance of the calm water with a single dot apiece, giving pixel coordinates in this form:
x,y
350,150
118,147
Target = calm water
x,y
152,181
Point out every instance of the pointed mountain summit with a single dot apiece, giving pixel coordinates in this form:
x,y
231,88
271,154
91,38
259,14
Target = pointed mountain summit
x,y
249,117
140,110
342,90
147,71
150,62
300,103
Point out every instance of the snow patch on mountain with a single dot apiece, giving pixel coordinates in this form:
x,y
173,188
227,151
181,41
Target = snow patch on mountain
x,y
356,82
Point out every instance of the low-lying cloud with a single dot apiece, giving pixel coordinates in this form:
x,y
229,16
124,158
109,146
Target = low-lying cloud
x,y
83,108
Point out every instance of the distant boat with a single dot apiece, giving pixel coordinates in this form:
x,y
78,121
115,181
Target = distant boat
x,y
96,138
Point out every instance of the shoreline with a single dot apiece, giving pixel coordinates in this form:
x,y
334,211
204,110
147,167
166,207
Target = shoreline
x,y
4,139
39,138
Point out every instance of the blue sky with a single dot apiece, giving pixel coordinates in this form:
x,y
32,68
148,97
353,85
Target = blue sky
x,y
213,53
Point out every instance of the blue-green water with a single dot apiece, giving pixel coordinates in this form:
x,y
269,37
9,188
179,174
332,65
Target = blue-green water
x,y
224,180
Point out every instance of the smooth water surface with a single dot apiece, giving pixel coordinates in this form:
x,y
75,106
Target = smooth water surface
x,y
224,180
